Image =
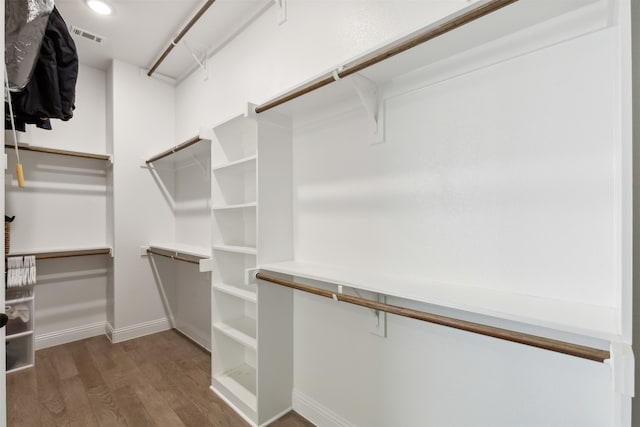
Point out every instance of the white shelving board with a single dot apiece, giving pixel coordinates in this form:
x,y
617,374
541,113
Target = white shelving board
x,y
52,251
241,382
242,329
238,206
247,250
587,320
19,335
179,248
248,294
185,156
509,20
235,163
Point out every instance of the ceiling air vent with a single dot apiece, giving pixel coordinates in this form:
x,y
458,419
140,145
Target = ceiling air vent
x,y
87,34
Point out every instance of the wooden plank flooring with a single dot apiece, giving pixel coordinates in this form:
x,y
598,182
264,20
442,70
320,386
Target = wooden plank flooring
x,y
157,380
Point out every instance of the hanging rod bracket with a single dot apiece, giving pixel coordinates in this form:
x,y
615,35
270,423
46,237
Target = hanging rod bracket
x,y
380,326
371,99
282,11
200,57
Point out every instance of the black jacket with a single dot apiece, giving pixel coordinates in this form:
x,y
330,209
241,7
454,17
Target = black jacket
x,y
51,91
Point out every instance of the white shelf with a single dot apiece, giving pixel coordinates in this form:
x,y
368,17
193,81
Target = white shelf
x,y
248,294
514,17
243,161
20,368
238,206
62,252
236,249
582,319
46,150
177,248
241,383
242,330
19,300
186,151
19,335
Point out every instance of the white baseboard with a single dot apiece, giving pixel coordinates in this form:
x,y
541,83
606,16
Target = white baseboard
x,y
69,335
318,414
136,331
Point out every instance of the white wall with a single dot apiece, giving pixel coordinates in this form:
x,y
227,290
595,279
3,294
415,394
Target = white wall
x,y
423,374
142,126
635,7
64,205
86,131
191,307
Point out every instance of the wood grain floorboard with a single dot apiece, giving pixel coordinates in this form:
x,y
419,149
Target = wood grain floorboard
x,y
52,406
76,400
160,380
23,407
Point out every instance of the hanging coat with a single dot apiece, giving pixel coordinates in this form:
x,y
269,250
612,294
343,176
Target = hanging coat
x,y
50,94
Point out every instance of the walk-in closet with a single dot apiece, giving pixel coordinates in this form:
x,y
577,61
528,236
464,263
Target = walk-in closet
x,y
335,213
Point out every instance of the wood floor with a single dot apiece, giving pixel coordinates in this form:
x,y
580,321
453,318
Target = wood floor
x,y
157,380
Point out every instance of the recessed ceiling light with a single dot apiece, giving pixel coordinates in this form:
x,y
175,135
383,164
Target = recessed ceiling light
x,y
100,7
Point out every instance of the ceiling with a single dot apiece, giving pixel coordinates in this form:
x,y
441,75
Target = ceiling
x,y
140,30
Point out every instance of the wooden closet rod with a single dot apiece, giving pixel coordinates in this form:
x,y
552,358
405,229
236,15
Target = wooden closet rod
x,y
180,35
584,352
175,149
60,152
66,254
176,257
388,51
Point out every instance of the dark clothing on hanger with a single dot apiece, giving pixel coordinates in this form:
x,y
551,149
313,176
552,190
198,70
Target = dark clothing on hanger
x,y
51,91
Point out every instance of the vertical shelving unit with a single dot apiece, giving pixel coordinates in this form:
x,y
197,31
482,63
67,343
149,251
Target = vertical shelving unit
x,y
244,372
233,305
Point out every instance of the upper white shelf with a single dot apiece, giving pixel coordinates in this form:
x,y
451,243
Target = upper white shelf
x,y
56,151
179,249
591,321
185,150
62,252
472,26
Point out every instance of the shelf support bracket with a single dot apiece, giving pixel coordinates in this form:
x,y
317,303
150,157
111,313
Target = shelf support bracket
x,y
200,57
380,326
282,11
373,104
203,165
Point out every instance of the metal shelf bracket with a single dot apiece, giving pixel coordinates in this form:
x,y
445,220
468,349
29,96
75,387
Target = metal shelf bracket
x,y
372,101
201,58
282,12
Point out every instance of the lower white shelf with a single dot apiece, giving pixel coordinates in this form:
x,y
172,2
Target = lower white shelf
x,y
241,383
19,351
247,293
593,321
18,335
242,329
